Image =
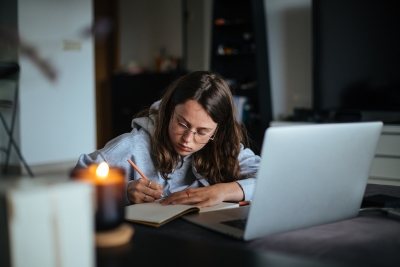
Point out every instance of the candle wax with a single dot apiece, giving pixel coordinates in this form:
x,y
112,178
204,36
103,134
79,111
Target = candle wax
x,y
109,198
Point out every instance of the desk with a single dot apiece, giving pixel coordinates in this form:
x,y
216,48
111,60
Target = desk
x,y
371,239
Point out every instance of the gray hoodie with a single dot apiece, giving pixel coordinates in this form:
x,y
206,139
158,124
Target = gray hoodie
x,y
136,146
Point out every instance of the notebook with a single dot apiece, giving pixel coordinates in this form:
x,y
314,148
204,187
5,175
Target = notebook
x,y
155,214
309,175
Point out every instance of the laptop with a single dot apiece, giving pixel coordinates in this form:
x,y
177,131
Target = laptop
x,y
309,175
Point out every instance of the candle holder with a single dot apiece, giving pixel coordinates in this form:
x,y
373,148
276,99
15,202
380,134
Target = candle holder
x,y
109,201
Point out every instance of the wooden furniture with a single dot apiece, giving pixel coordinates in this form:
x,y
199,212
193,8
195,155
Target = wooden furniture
x,y
386,165
132,93
239,54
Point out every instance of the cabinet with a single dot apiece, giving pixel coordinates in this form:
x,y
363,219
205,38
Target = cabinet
x,y
132,93
386,165
239,54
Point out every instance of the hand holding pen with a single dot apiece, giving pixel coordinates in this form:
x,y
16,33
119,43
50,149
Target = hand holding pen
x,y
143,190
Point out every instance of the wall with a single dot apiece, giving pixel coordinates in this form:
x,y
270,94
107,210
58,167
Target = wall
x,y
57,120
289,43
146,27
199,34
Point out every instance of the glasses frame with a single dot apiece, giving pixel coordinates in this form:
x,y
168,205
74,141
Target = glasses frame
x,y
211,137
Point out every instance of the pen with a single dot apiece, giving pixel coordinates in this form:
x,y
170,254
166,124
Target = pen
x,y
137,169
244,203
140,172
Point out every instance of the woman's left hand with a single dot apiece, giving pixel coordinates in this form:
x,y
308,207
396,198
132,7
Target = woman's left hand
x,y
206,196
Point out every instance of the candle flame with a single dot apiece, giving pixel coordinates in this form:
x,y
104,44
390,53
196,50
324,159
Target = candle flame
x,y
102,170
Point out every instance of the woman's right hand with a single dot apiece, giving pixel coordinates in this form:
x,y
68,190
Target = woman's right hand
x,y
143,190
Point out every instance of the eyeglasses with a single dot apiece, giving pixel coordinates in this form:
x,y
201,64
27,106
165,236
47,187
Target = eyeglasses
x,y
181,129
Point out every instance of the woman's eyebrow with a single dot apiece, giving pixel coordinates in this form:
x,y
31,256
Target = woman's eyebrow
x,y
182,118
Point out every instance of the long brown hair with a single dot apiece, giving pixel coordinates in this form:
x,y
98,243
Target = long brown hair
x,y
218,159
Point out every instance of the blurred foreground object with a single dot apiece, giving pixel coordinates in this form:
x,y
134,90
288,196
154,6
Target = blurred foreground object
x,y
9,71
99,30
109,184
46,223
27,50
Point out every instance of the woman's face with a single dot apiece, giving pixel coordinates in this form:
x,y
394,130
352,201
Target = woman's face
x,y
193,115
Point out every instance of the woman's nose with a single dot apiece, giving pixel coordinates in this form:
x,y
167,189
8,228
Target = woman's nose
x,y
188,136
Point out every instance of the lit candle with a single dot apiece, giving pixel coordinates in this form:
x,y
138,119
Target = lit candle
x,y
109,183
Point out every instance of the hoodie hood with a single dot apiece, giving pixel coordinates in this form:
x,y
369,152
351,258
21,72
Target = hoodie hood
x,y
146,123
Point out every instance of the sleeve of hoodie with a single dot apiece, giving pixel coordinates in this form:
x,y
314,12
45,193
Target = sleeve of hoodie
x,y
134,145
249,163
123,146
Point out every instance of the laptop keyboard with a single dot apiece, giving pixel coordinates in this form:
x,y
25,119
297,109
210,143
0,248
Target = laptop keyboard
x,y
239,224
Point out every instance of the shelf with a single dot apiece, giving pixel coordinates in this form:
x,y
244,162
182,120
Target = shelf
x,y
239,54
236,55
234,24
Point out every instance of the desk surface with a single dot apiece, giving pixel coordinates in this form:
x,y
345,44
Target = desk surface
x,y
371,239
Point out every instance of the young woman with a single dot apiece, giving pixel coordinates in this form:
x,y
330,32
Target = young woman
x,y
188,144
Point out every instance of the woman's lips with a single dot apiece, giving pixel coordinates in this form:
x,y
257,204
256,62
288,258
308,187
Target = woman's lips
x,y
185,148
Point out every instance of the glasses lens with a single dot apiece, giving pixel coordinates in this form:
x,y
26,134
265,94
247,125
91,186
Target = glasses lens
x,y
201,139
180,128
